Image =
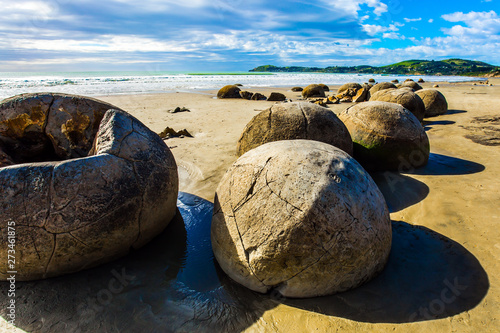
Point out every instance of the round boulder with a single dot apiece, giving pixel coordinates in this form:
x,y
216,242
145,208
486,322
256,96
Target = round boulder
x,y
229,91
297,120
324,86
301,218
297,89
313,90
381,86
354,87
386,136
408,99
276,97
104,184
434,101
412,84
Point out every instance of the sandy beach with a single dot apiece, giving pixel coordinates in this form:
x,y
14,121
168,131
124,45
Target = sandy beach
x,y
446,279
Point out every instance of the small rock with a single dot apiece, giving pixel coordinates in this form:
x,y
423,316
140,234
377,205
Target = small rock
x,y
179,109
395,81
297,89
258,97
371,81
169,132
276,97
436,86
421,80
246,94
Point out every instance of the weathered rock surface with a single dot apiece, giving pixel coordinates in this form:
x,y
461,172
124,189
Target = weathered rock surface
x,y
276,97
258,97
434,101
246,94
412,84
352,87
88,210
386,136
229,91
297,120
408,99
381,86
324,86
300,217
58,126
313,90
362,95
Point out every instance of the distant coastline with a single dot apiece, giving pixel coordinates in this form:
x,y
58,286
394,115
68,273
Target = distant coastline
x,y
455,67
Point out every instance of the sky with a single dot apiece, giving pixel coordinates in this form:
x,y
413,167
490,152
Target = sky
x,y
238,35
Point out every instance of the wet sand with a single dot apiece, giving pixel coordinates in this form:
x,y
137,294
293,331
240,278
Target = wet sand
x,y
442,275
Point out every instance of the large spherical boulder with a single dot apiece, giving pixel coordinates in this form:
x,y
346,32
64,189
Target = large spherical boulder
x,y
229,91
313,90
408,99
386,136
297,120
434,101
381,86
91,198
301,217
411,84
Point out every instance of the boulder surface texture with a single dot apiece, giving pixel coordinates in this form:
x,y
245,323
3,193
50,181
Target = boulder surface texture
x,y
434,101
313,90
297,120
113,186
407,99
381,86
299,217
386,136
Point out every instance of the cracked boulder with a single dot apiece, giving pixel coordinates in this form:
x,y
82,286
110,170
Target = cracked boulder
x,y
97,194
386,136
297,120
434,101
406,98
301,218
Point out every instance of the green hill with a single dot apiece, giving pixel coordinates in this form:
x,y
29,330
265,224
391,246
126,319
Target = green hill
x,y
408,67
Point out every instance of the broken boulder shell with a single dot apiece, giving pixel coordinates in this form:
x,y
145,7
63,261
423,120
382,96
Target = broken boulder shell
x,y
72,214
299,217
296,120
386,136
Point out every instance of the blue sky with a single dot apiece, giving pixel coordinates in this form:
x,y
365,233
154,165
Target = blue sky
x,y
237,35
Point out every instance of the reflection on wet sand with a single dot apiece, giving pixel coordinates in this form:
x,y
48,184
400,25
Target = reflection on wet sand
x,y
174,285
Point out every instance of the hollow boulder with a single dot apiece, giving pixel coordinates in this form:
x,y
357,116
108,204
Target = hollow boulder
x,y
297,120
350,88
408,99
434,101
386,136
117,193
301,218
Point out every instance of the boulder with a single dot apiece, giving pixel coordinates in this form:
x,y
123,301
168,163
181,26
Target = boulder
x,y
297,89
313,90
381,86
421,80
386,136
395,81
434,101
371,81
276,97
246,94
409,80
324,86
437,86
333,100
229,91
86,210
350,88
408,99
258,97
412,84
297,120
300,218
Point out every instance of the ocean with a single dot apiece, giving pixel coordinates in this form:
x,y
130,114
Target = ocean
x,y
115,83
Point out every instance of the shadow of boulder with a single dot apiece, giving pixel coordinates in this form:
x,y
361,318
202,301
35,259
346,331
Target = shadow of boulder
x,y
428,276
440,165
399,191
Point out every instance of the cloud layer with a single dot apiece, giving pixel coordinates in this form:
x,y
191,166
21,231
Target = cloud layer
x,y
233,35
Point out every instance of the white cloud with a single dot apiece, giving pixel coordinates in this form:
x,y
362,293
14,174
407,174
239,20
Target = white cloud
x,y
412,19
430,20
352,7
478,24
373,29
